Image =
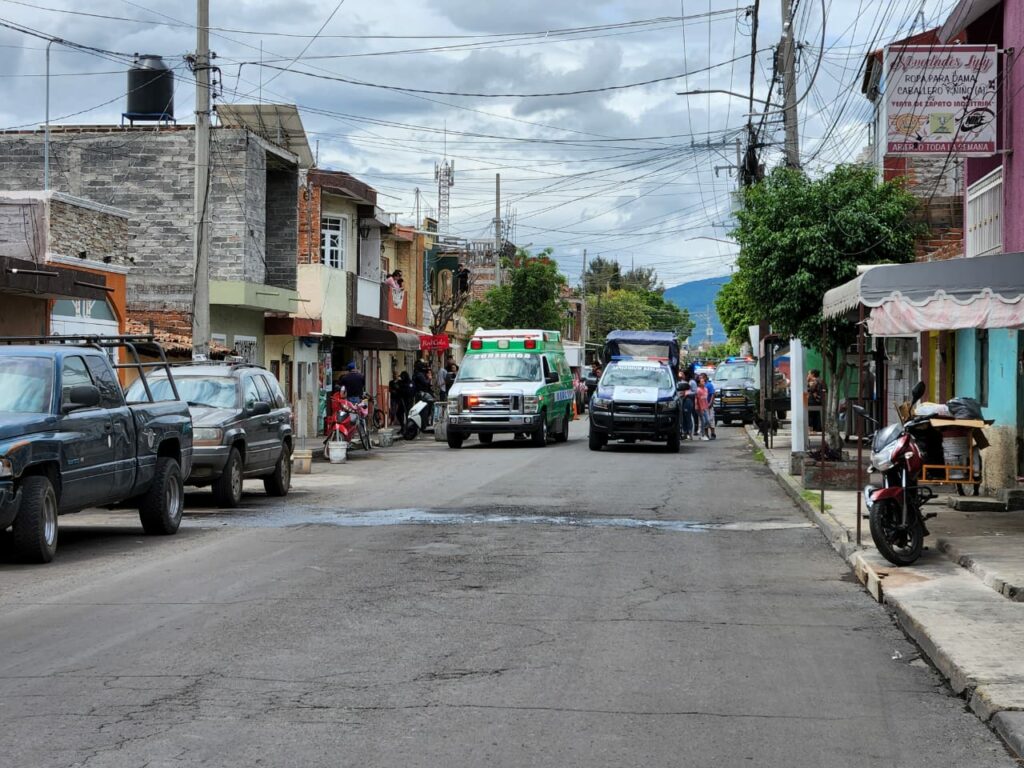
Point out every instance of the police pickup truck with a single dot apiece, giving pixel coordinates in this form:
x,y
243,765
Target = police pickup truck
x,y
636,399
69,441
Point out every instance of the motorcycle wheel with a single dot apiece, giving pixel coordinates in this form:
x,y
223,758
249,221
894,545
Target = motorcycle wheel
x,y
364,436
410,430
900,546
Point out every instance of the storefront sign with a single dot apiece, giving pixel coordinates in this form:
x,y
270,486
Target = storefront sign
x,y
941,100
437,343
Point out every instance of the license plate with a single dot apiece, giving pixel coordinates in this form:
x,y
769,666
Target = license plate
x,y
734,400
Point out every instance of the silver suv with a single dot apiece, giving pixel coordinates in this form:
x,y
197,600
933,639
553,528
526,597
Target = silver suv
x,y
242,427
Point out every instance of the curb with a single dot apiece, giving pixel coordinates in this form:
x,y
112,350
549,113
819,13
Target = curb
x,y
1007,724
988,577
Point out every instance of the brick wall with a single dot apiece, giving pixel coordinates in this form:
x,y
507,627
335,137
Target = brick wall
x,y
75,230
943,216
149,172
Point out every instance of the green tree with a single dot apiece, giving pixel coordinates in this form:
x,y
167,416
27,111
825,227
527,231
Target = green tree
x,y
531,297
643,279
617,309
800,237
602,275
735,310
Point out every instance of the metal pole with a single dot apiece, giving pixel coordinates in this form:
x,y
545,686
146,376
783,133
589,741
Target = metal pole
x,y
583,308
46,129
497,229
860,421
824,410
787,55
201,236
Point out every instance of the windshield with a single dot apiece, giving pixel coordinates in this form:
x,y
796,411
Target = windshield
x,y
735,371
636,376
508,367
26,384
208,391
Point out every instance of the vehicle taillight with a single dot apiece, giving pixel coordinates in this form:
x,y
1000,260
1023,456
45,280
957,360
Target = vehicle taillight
x,y
530,344
476,344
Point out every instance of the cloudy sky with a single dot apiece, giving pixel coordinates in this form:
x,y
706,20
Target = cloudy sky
x,y
387,88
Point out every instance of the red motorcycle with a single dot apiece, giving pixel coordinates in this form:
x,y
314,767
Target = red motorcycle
x,y
897,522
347,421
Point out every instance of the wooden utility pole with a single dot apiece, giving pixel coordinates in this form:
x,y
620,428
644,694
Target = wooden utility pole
x,y
787,60
497,229
201,191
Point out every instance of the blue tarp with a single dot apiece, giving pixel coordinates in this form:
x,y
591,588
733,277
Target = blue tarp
x,y
644,344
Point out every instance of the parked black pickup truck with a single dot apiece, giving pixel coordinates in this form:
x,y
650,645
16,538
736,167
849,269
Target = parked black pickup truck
x,y
68,440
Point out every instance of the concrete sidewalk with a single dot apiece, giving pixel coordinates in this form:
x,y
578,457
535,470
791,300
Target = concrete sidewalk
x,y
962,602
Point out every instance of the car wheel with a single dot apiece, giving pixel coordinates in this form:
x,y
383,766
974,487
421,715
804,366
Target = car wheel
x,y
455,441
596,440
162,505
227,489
539,438
563,434
278,483
35,527
486,438
673,442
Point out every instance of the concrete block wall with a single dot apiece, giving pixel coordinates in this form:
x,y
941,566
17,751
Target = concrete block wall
x,y
282,188
150,173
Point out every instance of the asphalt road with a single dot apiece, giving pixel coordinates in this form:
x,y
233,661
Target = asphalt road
x,y
493,606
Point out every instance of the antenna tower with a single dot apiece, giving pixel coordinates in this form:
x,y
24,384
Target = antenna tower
x,y
444,175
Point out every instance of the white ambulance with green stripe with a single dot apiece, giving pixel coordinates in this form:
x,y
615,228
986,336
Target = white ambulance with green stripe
x,y
512,382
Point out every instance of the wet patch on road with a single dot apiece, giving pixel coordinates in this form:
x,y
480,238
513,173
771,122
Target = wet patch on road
x,y
300,516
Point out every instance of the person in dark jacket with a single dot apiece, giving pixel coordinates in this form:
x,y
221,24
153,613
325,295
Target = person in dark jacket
x,y
354,382
420,379
408,392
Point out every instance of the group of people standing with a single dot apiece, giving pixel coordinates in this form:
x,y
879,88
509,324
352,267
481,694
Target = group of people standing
x,y
698,422
403,388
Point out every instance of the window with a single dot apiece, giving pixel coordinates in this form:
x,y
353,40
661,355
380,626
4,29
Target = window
x,y
247,347
25,385
333,239
982,366
264,390
984,210
275,388
251,394
74,374
110,392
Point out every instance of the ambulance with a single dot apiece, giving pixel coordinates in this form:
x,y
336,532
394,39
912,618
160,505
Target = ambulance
x,y
512,382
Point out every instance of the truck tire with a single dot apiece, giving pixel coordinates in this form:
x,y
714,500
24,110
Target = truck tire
x,y
563,434
539,438
673,442
35,527
162,505
455,441
278,483
597,441
227,489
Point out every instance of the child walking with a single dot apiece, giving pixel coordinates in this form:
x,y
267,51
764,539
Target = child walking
x,y
702,408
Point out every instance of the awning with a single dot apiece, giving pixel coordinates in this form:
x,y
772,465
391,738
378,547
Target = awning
x,y
379,338
981,292
50,281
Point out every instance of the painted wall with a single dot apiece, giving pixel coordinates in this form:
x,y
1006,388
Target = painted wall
x,y
323,294
24,316
232,321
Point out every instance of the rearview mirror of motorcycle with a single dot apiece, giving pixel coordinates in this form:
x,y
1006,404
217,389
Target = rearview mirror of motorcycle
x,y
918,391
859,410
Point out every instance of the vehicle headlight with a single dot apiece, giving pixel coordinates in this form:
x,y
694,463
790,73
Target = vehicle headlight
x,y
751,391
601,403
207,435
454,405
882,460
531,403
6,470
666,406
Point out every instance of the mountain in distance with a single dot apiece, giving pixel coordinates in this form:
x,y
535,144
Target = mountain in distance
x,y
698,298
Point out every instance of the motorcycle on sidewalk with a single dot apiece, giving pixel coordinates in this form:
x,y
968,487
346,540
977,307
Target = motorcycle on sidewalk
x,y
350,424
895,509
420,417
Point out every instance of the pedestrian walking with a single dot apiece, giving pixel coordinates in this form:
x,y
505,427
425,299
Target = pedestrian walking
x,y
815,392
702,409
689,413
710,387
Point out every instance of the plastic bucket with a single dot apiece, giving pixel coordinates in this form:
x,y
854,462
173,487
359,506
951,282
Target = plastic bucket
x,y
337,451
387,438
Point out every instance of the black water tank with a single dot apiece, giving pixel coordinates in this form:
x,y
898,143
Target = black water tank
x,y
150,89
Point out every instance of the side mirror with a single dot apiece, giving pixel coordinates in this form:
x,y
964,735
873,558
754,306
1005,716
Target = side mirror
x,y
918,391
551,378
82,396
682,386
859,410
259,408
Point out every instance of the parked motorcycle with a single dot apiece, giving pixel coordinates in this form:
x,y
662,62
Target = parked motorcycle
x,y
895,510
420,417
350,423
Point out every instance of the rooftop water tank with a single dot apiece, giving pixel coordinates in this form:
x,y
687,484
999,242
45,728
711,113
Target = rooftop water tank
x,y
150,90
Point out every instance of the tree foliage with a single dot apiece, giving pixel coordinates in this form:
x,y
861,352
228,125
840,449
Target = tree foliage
x,y
630,301
602,275
643,279
734,311
800,237
530,298
617,309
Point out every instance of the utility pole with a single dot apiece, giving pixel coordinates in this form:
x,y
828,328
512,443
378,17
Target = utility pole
x,y
583,308
497,229
201,235
787,58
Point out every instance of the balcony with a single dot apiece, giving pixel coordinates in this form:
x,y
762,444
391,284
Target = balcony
x,y
984,215
323,296
368,298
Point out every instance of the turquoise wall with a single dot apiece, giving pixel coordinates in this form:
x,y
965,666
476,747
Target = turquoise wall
x,y
1002,372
